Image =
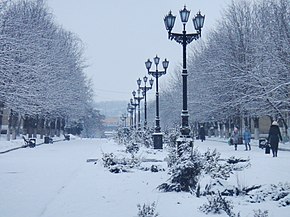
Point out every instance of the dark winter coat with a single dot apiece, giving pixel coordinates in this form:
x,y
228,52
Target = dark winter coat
x,y
202,133
274,135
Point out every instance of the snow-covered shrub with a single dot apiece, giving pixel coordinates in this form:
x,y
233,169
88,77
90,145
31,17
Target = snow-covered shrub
x,y
280,193
238,164
153,168
147,210
156,168
147,138
109,159
137,136
214,167
123,135
117,165
285,201
132,148
185,171
217,205
260,213
172,157
170,137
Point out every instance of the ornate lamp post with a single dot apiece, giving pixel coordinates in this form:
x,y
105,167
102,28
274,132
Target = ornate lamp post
x,y
184,39
157,135
124,119
130,109
138,98
134,105
144,91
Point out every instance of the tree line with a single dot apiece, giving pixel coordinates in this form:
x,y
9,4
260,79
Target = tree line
x,y
42,78
241,70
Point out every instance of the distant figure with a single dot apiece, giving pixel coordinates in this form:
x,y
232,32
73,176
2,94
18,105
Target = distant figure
x,y
202,133
274,136
247,139
235,137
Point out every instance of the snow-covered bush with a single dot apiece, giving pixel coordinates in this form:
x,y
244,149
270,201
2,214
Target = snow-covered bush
x,y
172,157
133,137
118,165
239,164
217,205
109,159
280,193
132,148
147,210
147,138
204,174
185,171
123,135
214,167
171,137
260,213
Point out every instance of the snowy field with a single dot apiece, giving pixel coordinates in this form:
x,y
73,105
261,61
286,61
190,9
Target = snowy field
x,y
68,179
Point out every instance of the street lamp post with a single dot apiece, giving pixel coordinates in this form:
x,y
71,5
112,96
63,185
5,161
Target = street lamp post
x,y
134,105
138,98
130,111
144,91
124,119
184,39
157,135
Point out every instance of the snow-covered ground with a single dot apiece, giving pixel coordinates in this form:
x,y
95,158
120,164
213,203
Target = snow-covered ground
x,y
67,179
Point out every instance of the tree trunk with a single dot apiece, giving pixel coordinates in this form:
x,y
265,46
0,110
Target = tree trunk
x,y
9,126
256,128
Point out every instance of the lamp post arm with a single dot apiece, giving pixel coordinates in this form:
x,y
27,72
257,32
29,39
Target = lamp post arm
x,y
145,89
156,74
179,37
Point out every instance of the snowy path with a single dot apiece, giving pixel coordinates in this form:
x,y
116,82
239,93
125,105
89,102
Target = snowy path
x,y
33,179
55,180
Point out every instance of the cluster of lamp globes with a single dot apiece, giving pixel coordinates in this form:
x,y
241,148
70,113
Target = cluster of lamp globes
x,y
198,20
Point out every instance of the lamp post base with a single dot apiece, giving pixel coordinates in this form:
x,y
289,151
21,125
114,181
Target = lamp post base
x,y
180,142
158,140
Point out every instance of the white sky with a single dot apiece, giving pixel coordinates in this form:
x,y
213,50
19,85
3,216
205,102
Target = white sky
x,y
120,36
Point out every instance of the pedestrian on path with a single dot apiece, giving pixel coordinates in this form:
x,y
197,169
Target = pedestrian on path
x,y
274,137
202,133
235,136
247,138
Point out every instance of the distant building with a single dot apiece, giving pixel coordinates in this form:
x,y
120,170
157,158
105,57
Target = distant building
x,y
111,123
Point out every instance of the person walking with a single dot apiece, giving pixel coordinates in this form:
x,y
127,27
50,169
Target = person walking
x,y
235,137
247,139
202,133
274,137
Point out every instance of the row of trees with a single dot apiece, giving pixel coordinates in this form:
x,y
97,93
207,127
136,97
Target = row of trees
x,y
241,70
42,76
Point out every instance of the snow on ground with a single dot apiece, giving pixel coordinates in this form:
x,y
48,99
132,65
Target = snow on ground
x,y
67,179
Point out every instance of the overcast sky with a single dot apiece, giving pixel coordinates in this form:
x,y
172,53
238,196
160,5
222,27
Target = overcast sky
x,y
120,35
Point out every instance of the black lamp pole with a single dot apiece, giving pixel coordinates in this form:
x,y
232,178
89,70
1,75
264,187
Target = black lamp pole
x,y
134,104
138,98
144,92
130,111
124,119
157,136
184,39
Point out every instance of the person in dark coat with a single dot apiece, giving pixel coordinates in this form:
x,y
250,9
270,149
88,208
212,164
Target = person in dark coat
x,y
274,137
201,133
